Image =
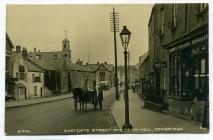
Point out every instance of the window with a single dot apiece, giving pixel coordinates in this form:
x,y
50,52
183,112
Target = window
x,y
21,68
7,63
201,77
65,46
22,76
102,75
65,55
7,67
17,75
40,76
174,21
38,56
203,6
21,72
36,78
55,56
181,78
162,21
33,77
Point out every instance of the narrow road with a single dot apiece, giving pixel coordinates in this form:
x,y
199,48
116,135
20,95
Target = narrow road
x,y
59,117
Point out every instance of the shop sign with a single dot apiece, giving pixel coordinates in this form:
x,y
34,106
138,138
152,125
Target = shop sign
x,y
199,39
161,64
188,43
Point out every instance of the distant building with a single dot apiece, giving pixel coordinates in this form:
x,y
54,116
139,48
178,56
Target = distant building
x,y
144,74
60,74
28,78
133,74
101,72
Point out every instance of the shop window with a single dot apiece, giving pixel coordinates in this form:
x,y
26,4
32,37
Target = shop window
x,y
181,74
201,77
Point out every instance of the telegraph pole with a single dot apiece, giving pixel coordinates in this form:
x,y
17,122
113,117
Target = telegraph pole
x,y
114,27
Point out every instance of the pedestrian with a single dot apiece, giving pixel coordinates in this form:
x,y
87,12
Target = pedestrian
x,y
100,98
95,99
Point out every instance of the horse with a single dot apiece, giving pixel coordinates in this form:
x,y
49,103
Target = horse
x,y
78,96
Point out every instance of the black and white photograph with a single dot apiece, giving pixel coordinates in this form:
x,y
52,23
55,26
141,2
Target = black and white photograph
x,y
79,69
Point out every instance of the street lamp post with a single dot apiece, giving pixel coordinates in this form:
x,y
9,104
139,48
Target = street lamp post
x,y
125,37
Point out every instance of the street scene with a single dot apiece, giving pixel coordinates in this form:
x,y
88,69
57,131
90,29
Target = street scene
x,y
110,69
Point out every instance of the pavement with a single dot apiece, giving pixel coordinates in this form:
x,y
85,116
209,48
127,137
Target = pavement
x,y
148,121
9,104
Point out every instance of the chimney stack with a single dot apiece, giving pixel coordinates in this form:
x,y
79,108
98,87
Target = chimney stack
x,y
34,49
98,63
18,49
24,52
79,62
105,63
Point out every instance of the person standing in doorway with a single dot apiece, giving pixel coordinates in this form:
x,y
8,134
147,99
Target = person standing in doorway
x,y
100,98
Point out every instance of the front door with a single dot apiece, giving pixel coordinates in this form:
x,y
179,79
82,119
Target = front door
x,y
35,91
22,93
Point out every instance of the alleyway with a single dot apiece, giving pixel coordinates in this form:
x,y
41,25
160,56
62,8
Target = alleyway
x,y
147,121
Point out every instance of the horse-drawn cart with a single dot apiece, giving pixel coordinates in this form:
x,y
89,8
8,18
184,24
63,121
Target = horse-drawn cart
x,y
82,97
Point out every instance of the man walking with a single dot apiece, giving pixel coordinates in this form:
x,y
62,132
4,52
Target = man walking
x,y
94,99
100,98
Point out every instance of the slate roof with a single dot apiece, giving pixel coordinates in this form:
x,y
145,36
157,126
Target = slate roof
x,y
143,57
76,67
94,67
9,40
47,60
32,67
14,55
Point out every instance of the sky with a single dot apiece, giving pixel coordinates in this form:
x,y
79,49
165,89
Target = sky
x,y
88,29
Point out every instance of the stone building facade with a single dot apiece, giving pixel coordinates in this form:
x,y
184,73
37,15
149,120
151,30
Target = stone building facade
x,y
178,59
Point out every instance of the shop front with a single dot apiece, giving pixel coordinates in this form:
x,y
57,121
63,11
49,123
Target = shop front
x,y
188,75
